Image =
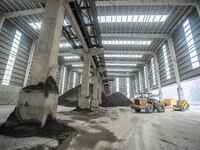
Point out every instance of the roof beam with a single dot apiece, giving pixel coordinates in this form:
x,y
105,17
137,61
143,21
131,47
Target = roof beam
x,y
23,13
134,35
80,52
130,52
147,2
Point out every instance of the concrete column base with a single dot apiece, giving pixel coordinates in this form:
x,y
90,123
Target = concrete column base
x,y
180,93
35,107
95,103
84,103
160,96
100,101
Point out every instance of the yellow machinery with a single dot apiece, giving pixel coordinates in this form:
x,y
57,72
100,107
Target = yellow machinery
x,y
182,105
145,101
168,102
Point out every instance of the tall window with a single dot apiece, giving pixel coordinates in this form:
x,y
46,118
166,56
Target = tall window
x,y
145,77
11,58
128,87
153,71
191,44
74,80
117,84
63,80
140,81
164,49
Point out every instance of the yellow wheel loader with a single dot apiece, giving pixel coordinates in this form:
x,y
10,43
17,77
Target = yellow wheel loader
x,y
146,102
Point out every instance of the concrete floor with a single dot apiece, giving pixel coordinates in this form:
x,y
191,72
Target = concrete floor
x,y
119,128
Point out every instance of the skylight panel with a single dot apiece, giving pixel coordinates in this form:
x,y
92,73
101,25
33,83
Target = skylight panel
x,y
124,18
157,18
126,42
119,18
64,45
121,56
114,18
163,18
108,19
141,18
119,70
71,57
133,18
77,65
129,18
120,64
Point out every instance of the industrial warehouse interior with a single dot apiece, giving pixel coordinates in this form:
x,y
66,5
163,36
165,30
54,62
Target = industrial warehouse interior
x,y
99,74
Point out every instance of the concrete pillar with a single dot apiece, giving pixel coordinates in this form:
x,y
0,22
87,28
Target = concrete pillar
x,y
175,66
95,100
84,100
158,76
99,90
198,8
35,104
61,78
2,19
30,59
46,54
147,74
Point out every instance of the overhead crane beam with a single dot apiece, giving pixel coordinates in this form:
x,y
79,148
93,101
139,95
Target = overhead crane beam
x,y
147,2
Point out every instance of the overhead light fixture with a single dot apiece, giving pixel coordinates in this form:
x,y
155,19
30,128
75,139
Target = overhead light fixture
x,y
121,56
126,42
132,18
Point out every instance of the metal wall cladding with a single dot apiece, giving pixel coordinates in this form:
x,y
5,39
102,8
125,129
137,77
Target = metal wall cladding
x,y
6,39
163,65
181,48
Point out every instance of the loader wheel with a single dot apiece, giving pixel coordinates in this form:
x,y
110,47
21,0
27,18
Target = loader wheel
x,y
160,107
137,110
149,108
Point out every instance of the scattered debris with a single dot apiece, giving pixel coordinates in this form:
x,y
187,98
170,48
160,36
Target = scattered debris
x,y
53,129
48,87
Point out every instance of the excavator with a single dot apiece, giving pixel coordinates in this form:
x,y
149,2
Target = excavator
x,y
145,101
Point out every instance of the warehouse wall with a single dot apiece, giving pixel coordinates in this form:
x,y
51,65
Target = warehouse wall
x,y
163,65
9,94
181,48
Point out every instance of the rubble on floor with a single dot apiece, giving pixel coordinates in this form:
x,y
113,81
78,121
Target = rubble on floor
x,y
53,129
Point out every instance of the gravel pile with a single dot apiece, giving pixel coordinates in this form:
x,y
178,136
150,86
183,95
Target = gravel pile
x,y
118,99
70,98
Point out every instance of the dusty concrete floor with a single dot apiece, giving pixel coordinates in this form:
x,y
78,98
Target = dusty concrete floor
x,y
119,128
